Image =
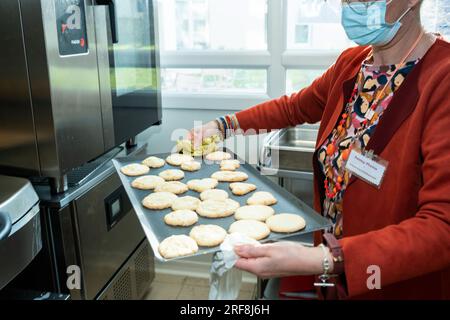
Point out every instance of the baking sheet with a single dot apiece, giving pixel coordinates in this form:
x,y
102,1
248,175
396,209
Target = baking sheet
x,y
156,230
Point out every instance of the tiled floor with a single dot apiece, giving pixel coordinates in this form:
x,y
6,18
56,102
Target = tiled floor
x,y
170,287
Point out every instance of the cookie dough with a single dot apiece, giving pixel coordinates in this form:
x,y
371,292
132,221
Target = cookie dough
x,y
254,212
217,208
241,188
229,165
214,194
175,187
201,185
254,229
263,198
191,166
159,200
177,246
230,176
218,156
172,175
177,159
208,235
286,223
186,203
134,170
154,162
181,218
147,182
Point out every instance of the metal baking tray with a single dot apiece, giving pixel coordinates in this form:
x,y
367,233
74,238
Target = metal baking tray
x,y
156,230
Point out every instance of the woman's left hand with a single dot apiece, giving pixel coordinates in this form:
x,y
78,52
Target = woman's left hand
x,y
281,259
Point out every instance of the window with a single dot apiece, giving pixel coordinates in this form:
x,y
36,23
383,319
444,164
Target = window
x,y
231,54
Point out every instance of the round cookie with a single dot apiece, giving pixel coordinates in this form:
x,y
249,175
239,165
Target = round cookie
x,y
154,162
230,176
177,246
186,203
191,166
214,194
175,187
286,223
147,182
208,235
263,198
177,159
134,170
159,200
217,208
254,229
254,212
229,165
201,185
172,174
181,218
218,156
241,188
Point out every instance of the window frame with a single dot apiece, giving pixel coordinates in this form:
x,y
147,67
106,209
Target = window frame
x,y
276,60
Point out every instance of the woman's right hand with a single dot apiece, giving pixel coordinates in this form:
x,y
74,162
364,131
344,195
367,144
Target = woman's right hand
x,y
198,134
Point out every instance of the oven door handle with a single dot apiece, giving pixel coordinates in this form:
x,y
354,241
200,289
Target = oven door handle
x,y
5,225
112,18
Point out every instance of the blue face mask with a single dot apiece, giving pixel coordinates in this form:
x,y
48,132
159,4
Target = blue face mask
x,y
365,23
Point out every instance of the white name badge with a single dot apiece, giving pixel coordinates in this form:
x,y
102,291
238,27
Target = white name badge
x,y
367,167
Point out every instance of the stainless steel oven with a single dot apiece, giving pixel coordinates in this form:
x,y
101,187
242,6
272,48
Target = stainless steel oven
x,y
79,77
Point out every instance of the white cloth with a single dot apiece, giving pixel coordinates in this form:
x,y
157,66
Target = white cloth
x,y
225,281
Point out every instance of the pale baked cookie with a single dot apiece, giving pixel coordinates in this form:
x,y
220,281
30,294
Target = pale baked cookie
x,y
159,200
191,166
286,223
263,198
181,218
241,188
154,162
218,156
177,246
175,187
254,229
208,235
229,165
172,174
186,203
217,208
134,170
255,212
177,159
147,182
214,194
230,176
201,185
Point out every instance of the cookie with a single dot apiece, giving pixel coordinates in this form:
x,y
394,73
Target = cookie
x,y
208,235
254,229
172,174
134,170
181,218
175,187
230,176
286,223
191,166
147,182
159,200
240,188
201,185
218,156
214,194
177,159
186,203
229,165
255,212
263,198
217,208
154,162
177,246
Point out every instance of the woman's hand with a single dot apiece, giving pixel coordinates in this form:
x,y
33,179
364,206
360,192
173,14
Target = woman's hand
x,y
198,134
281,259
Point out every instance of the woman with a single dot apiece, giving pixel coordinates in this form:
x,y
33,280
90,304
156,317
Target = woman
x,y
388,97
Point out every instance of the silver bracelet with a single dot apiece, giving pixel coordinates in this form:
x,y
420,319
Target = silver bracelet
x,y
326,268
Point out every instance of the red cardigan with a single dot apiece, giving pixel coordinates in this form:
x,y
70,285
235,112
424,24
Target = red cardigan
x,y
403,227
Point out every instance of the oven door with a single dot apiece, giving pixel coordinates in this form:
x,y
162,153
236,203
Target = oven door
x,y
128,58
